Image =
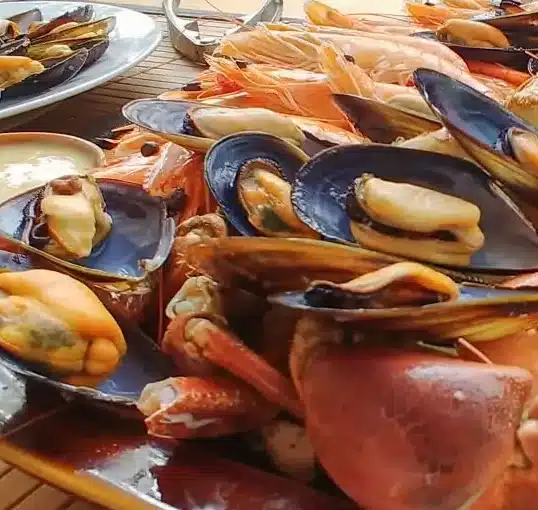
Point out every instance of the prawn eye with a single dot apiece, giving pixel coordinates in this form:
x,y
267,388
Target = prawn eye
x,y
349,58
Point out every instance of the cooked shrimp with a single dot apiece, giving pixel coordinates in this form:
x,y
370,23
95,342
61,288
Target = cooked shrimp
x,y
321,14
386,60
499,71
289,91
337,35
278,48
345,77
501,87
430,16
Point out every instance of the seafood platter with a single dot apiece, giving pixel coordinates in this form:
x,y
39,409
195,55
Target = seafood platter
x,y
53,50
323,250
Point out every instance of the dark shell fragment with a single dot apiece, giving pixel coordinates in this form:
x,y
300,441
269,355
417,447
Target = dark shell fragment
x,y
381,122
16,48
27,18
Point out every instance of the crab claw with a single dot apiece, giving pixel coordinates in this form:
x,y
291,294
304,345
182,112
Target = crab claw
x,y
203,340
187,407
401,430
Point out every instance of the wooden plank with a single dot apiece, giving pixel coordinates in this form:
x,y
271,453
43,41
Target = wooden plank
x,y
14,486
4,468
44,497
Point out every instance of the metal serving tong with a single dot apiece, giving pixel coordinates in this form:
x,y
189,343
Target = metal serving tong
x,y
185,34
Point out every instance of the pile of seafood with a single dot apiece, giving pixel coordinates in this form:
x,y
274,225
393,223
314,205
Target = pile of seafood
x,y
37,54
325,247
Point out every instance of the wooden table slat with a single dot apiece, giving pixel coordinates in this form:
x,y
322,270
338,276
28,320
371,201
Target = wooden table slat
x,y
45,497
14,487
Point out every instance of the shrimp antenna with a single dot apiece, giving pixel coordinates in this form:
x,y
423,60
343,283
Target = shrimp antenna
x,y
226,17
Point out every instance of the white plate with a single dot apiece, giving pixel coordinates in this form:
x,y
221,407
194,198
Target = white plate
x,y
134,38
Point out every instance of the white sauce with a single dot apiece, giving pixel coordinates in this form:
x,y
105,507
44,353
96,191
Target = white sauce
x,y
25,165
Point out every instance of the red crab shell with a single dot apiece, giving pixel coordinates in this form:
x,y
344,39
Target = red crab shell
x,y
400,430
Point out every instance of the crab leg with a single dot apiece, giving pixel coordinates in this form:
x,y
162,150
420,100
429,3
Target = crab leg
x,y
187,407
213,343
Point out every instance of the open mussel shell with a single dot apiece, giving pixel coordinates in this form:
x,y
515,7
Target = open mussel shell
x,y
229,157
480,125
50,77
142,364
168,119
15,48
383,123
507,22
96,49
171,120
516,56
139,242
264,265
127,299
90,30
81,14
322,187
27,18
476,305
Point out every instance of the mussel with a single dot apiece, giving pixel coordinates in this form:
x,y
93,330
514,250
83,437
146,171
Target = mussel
x,y
198,126
72,18
8,30
70,218
475,40
52,319
249,175
21,76
73,231
417,204
509,21
142,364
472,34
387,123
411,297
351,284
491,134
505,39
50,53
78,31
54,330
406,219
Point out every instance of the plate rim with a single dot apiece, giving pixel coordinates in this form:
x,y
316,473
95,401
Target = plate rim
x,y
31,103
